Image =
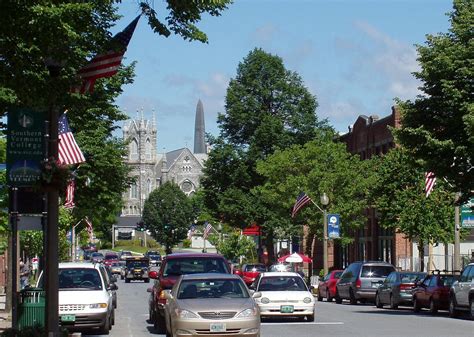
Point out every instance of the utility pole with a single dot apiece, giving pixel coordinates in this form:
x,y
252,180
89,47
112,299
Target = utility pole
x,y
457,248
113,236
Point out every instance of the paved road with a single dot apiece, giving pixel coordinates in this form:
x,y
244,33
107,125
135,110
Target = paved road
x,y
332,319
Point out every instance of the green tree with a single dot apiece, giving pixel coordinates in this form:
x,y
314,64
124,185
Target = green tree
x,y
398,195
267,108
320,166
4,223
167,213
236,246
438,126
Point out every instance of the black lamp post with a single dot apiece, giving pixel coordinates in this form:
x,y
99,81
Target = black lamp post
x,y
325,202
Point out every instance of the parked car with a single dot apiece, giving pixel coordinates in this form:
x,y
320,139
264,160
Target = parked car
x,y
360,280
109,258
189,310
327,286
172,267
251,271
137,268
462,293
97,257
283,294
85,297
112,279
397,289
433,292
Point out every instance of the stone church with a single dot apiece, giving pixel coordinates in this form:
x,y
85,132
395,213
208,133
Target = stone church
x,y
151,169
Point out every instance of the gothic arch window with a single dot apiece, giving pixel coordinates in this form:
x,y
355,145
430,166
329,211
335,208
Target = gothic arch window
x,y
186,165
148,148
134,191
134,149
130,210
148,186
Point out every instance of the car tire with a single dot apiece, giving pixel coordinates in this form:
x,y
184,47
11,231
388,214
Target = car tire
x,y
147,280
378,303
393,305
433,306
320,297
127,280
328,296
113,318
310,318
105,329
416,305
159,324
471,308
352,298
338,298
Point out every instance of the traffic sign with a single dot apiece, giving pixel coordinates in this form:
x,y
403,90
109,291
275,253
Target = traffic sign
x,y
333,226
467,214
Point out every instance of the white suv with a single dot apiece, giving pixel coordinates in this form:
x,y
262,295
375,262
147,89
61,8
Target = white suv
x,y
85,297
462,293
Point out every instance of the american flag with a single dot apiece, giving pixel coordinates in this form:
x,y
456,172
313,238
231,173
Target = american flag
x,y
191,231
71,187
207,229
68,150
430,181
89,228
301,200
106,64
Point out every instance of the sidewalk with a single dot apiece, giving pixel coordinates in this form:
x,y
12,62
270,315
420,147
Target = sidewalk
x,y
5,321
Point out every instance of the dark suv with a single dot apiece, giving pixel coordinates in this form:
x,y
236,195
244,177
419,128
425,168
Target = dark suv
x,y
172,267
360,280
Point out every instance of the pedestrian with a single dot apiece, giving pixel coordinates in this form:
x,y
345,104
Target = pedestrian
x,y
24,274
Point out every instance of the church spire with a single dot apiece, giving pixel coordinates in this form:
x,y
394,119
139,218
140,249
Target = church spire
x,y
199,130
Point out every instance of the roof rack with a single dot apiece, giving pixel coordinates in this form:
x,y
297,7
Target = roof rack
x,y
445,271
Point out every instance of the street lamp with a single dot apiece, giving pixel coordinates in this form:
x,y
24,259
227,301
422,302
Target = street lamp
x,y
325,202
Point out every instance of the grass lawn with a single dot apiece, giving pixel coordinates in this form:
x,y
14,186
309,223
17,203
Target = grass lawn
x,y
136,249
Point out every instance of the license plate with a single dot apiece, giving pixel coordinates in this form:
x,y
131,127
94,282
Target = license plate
x,y
376,285
68,318
217,327
286,309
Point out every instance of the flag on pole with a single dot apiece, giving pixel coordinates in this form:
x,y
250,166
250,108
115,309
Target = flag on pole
x,y
430,181
68,151
301,201
71,188
108,63
191,231
207,229
89,228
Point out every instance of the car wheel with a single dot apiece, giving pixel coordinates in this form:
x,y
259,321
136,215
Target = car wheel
x,y
328,296
320,297
378,304
113,318
147,280
310,318
159,324
127,280
471,309
338,298
416,305
433,306
393,304
105,329
352,298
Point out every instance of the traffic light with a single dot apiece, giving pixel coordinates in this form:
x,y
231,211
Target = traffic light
x,y
140,226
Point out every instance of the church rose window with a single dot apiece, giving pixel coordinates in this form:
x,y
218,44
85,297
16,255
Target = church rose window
x,y
186,186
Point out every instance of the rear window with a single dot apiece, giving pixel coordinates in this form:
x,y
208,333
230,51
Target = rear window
x,y
376,271
337,274
447,280
282,283
195,265
111,256
410,277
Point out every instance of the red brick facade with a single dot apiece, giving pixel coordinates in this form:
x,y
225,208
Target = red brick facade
x,y
369,136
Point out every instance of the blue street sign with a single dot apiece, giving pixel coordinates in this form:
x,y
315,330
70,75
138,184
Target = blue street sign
x,y
333,226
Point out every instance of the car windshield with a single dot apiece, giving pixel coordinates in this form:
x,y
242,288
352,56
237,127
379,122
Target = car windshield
x,y
376,271
137,264
255,268
194,265
111,257
97,255
411,277
190,289
77,279
154,257
282,283
116,264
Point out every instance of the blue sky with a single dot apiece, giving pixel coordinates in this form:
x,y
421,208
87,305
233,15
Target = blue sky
x,y
355,56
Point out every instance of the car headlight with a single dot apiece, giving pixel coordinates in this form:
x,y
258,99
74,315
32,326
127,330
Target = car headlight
x,y
97,305
307,300
265,300
247,313
183,313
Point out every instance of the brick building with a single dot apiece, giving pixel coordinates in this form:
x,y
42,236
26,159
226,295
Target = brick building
x,y
371,136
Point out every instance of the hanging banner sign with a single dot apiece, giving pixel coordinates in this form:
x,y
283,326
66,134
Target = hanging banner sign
x,y
467,214
25,146
333,226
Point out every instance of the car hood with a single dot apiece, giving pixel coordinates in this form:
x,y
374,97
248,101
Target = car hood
x,y
286,295
83,296
216,304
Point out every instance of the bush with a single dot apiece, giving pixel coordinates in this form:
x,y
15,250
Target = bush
x,y
30,331
186,243
106,245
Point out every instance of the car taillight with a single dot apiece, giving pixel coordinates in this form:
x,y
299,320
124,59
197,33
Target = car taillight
x,y
358,283
406,286
162,297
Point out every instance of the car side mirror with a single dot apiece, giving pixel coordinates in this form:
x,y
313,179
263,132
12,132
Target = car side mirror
x,y
257,294
153,274
113,286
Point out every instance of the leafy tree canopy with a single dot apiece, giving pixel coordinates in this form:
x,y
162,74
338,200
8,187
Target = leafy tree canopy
x,y
438,126
168,213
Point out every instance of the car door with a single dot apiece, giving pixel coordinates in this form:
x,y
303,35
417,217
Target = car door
x,y
464,285
422,294
384,289
324,285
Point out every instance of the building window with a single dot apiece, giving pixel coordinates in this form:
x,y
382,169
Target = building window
x,y
187,186
134,149
148,186
134,191
148,148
